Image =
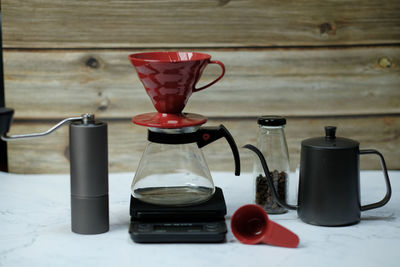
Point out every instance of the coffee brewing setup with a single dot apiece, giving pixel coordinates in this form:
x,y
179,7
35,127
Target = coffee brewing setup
x,y
173,196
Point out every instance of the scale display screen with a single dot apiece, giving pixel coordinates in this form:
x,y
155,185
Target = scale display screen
x,y
176,232
177,228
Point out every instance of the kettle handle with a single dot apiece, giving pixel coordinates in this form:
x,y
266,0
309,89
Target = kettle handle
x,y
207,135
387,181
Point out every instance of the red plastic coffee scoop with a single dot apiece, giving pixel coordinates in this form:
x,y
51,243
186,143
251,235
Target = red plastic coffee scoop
x,y
250,225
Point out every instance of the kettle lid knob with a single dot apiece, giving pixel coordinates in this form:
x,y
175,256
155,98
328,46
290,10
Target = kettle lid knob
x,y
330,132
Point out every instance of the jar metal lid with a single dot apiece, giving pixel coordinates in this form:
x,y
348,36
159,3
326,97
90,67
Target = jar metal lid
x,y
271,121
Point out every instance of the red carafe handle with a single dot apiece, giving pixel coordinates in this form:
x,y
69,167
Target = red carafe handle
x,y
216,80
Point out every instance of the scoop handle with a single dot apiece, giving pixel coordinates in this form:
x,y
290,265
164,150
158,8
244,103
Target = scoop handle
x,y
278,235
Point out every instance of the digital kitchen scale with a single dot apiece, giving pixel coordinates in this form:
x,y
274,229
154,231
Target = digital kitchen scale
x,y
202,223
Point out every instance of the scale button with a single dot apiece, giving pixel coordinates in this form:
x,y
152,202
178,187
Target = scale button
x,y
144,227
211,227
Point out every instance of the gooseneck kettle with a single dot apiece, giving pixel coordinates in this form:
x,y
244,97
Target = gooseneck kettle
x,y
329,182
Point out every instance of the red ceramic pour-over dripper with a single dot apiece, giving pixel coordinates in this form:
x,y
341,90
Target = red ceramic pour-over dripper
x,y
170,79
250,225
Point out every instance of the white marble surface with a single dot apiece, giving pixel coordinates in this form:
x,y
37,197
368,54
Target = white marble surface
x,y
35,230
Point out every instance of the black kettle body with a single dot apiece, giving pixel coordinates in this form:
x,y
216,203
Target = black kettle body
x,y
329,182
329,185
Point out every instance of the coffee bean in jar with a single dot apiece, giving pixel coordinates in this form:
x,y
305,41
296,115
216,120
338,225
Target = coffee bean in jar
x,y
272,144
264,195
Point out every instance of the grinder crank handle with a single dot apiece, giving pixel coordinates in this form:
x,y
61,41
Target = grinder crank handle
x,y
207,135
6,118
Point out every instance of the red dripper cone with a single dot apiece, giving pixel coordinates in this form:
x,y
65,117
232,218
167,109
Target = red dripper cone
x,y
250,225
170,77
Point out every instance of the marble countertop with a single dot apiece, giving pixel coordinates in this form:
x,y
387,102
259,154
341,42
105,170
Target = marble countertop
x,y
35,229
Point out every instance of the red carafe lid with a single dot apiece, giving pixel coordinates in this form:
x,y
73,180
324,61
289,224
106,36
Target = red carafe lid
x,y
169,120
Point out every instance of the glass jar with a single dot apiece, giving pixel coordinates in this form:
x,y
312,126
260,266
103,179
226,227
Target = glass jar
x,y
271,142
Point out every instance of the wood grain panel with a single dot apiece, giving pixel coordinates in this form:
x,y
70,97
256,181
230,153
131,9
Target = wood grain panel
x,y
127,142
292,82
198,23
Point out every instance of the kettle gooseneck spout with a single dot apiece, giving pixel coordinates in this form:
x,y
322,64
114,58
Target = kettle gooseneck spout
x,y
269,178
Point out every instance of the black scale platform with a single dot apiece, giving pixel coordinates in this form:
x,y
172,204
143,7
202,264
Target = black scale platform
x,y
204,222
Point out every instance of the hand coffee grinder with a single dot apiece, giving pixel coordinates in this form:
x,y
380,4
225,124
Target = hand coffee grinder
x,y
88,149
173,195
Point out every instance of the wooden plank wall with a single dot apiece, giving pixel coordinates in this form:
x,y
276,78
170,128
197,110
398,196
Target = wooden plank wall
x,y
316,62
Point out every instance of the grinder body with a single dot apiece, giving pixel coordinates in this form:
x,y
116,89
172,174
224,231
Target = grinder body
x,y
89,177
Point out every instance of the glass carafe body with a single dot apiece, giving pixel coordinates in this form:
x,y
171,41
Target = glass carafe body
x,y
173,174
271,142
